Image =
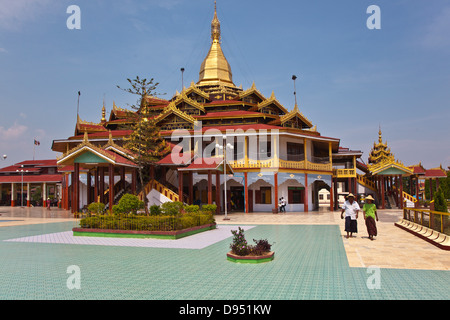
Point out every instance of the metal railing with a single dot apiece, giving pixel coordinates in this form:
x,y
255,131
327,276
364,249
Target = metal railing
x,y
280,163
438,221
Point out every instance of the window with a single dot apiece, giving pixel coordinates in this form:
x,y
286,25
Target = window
x,y
263,195
296,195
265,149
295,151
320,196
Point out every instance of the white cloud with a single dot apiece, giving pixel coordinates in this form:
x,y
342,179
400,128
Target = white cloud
x,y
14,13
3,50
437,32
13,132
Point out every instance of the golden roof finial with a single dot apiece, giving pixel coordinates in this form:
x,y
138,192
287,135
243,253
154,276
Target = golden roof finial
x,y
103,113
380,140
215,26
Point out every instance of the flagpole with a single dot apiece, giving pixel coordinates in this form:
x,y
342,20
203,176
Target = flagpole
x,y
34,147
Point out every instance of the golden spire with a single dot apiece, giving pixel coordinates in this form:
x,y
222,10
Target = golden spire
x,y
215,26
380,140
215,69
103,113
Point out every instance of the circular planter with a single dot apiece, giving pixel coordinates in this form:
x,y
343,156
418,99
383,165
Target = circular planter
x,y
251,259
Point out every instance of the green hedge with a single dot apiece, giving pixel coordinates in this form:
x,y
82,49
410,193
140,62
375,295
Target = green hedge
x,y
146,223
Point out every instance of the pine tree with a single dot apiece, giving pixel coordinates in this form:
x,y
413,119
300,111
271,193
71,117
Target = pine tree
x,y
145,141
440,204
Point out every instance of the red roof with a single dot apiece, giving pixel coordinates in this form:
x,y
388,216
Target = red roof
x,y
238,113
435,173
14,169
168,160
119,159
198,164
418,169
39,163
233,127
114,133
217,102
31,178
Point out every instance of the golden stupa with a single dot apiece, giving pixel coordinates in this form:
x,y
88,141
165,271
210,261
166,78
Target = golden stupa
x,y
215,69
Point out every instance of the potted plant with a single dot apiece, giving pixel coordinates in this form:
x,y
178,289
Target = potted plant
x,y
242,252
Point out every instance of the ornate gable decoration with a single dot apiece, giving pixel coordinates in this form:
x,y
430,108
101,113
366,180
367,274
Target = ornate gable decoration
x,y
112,146
250,91
172,109
85,144
272,100
387,163
194,89
296,113
85,126
184,98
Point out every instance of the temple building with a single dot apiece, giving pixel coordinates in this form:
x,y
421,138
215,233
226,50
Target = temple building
x,y
236,148
30,183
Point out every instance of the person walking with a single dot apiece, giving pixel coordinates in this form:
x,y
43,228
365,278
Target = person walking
x,y
283,204
370,214
351,209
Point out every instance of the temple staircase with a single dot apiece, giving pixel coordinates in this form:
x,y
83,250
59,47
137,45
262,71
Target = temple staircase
x,y
157,193
362,180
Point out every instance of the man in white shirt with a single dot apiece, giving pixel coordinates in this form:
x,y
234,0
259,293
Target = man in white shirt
x,y
351,209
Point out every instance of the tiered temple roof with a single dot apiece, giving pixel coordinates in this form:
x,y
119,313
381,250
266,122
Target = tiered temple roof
x,y
214,100
380,151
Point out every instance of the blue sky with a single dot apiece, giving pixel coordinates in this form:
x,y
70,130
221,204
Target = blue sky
x,y
351,80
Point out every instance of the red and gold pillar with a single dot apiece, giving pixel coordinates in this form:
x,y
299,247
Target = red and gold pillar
x,y
76,187
305,206
180,185
218,192
209,187
246,191
191,188
275,180
331,195
111,187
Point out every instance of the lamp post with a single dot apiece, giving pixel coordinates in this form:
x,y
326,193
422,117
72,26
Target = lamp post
x,y
182,80
294,77
224,147
21,191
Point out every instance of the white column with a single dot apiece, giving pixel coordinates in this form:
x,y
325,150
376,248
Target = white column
x,y
13,194
44,194
28,194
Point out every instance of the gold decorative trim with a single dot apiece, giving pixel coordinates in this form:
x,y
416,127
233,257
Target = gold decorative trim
x,y
86,143
271,100
172,109
251,90
182,97
293,113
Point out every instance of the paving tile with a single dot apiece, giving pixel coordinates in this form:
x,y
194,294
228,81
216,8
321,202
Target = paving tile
x,y
310,263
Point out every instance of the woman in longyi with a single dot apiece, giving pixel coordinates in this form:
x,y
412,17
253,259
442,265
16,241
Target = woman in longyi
x,y
370,214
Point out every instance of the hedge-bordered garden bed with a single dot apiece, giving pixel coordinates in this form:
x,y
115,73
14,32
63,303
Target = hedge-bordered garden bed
x,y
177,234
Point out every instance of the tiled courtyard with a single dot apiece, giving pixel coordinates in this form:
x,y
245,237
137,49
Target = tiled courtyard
x,y
312,261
